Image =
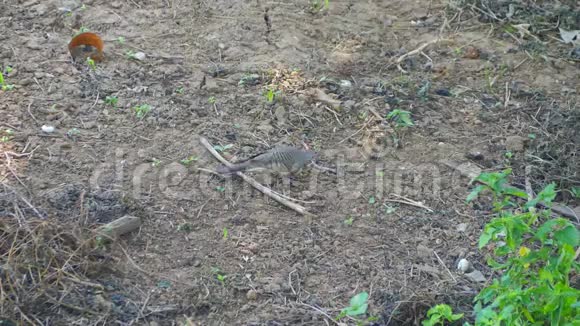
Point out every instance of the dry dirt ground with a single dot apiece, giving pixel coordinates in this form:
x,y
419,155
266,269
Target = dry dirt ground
x,y
212,251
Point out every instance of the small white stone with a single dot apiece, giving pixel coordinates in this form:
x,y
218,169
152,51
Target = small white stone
x,y
47,129
461,227
463,265
140,56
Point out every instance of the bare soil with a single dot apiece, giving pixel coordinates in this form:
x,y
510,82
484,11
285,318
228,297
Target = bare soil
x,y
481,95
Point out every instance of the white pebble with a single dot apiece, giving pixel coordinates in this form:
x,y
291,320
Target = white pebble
x,y
47,129
463,265
140,56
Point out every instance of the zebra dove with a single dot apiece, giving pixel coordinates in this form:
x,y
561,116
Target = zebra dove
x,y
278,159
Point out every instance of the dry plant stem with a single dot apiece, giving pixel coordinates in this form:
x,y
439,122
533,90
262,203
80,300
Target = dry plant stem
x,y
25,201
266,191
444,266
416,51
409,202
321,312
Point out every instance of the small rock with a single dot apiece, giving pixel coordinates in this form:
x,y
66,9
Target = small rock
x,y
443,92
280,114
575,53
33,44
515,143
47,129
423,251
139,56
475,155
476,276
471,52
463,265
26,81
252,295
461,227
345,83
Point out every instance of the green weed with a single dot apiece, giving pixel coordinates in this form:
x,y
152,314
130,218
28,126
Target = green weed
x,y
401,118
440,313
5,87
111,100
141,110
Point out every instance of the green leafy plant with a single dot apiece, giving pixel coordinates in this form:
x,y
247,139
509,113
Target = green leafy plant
x,y
141,110
223,148
188,160
533,253
81,30
91,64
225,233
270,94
180,90
73,133
220,188
349,220
130,54
121,40
575,191
401,118
317,5
111,100
358,306
7,135
440,313
5,87
423,92
155,162
219,275
184,227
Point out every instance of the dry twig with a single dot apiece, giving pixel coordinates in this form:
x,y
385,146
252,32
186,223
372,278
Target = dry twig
x,y
265,190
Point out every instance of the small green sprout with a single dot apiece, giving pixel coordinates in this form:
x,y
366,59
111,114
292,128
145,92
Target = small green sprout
x,y
372,200
5,87
141,110
220,188
91,63
270,95
402,118
188,160
184,227
72,133
211,100
440,313
111,100
225,234
358,306
180,90
130,54
164,284
508,155
155,162
121,40
223,148
8,70
218,274
349,221
7,135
